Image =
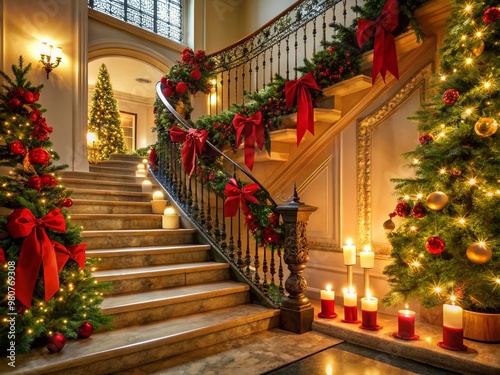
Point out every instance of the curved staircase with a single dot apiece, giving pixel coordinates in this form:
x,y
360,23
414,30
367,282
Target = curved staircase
x,y
169,297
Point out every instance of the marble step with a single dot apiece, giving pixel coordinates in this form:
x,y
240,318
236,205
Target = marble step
x,y
129,179
109,195
149,255
88,206
109,239
81,183
125,348
150,306
143,279
126,157
97,168
122,164
117,221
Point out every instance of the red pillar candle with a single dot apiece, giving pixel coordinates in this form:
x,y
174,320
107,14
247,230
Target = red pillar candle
x,y
406,325
369,307
453,333
350,314
327,303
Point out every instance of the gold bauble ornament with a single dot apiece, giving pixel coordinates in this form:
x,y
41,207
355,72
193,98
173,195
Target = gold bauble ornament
x,y
389,226
437,200
486,126
479,253
479,49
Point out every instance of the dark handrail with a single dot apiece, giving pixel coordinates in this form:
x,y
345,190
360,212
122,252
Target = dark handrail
x,y
186,124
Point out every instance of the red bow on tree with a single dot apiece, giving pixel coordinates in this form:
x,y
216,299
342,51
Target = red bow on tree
x,y
194,141
152,158
35,250
300,89
234,195
254,133
77,253
384,51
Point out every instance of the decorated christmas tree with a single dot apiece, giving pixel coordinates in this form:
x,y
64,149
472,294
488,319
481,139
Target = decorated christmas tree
x,y
447,245
48,292
104,118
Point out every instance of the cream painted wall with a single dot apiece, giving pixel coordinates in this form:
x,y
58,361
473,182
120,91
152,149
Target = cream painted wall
x,y
27,23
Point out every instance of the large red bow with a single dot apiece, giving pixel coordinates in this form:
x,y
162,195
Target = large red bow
x,y
194,141
152,158
384,51
254,133
35,250
234,195
305,114
77,253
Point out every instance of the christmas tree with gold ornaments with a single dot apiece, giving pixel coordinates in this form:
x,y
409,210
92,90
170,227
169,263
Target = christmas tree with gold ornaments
x,y
104,118
48,292
446,246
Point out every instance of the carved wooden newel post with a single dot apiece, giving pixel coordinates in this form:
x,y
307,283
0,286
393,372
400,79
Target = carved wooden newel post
x,y
297,312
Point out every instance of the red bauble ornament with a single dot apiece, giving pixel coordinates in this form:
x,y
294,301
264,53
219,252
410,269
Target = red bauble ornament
x,y
170,83
2,256
491,15
48,180
36,96
419,210
39,156
28,97
425,139
181,88
85,330
435,245
56,343
450,96
168,92
195,74
35,182
67,202
163,80
17,148
403,209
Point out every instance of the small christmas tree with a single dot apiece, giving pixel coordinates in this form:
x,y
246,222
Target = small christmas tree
x,y
104,118
447,246
47,287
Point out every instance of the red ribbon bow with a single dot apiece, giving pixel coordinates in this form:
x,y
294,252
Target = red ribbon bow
x,y
77,253
305,115
194,141
35,250
234,195
152,158
384,50
254,133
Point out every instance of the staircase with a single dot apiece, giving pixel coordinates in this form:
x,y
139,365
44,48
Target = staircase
x,y
169,297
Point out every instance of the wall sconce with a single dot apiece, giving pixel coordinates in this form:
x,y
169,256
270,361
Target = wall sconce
x,y
46,56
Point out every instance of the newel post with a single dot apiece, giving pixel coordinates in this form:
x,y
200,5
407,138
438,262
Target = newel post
x,y
297,312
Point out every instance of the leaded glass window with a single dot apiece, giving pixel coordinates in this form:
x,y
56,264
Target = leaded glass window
x,y
163,17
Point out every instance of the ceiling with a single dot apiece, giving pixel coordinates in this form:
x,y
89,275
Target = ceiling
x,y
124,73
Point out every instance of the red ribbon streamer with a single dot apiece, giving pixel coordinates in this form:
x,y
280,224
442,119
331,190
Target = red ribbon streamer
x,y
194,141
234,196
253,132
77,253
305,115
384,51
35,250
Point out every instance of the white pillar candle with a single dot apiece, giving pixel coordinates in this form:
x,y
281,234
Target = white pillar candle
x,y
158,206
144,161
369,303
350,297
349,253
147,186
328,294
367,258
141,173
140,167
158,196
452,316
170,219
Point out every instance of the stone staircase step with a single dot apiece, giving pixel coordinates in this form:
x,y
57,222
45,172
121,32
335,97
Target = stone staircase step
x,y
97,168
137,279
117,221
130,179
168,303
109,239
117,163
126,157
75,183
149,256
112,351
100,195
87,206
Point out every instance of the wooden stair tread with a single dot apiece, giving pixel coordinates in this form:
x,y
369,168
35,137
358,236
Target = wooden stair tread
x,y
127,232
100,182
123,341
349,86
133,301
110,192
169,269
111,203
103,253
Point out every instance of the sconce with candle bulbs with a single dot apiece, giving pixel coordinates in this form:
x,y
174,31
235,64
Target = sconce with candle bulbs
x,y
47,55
